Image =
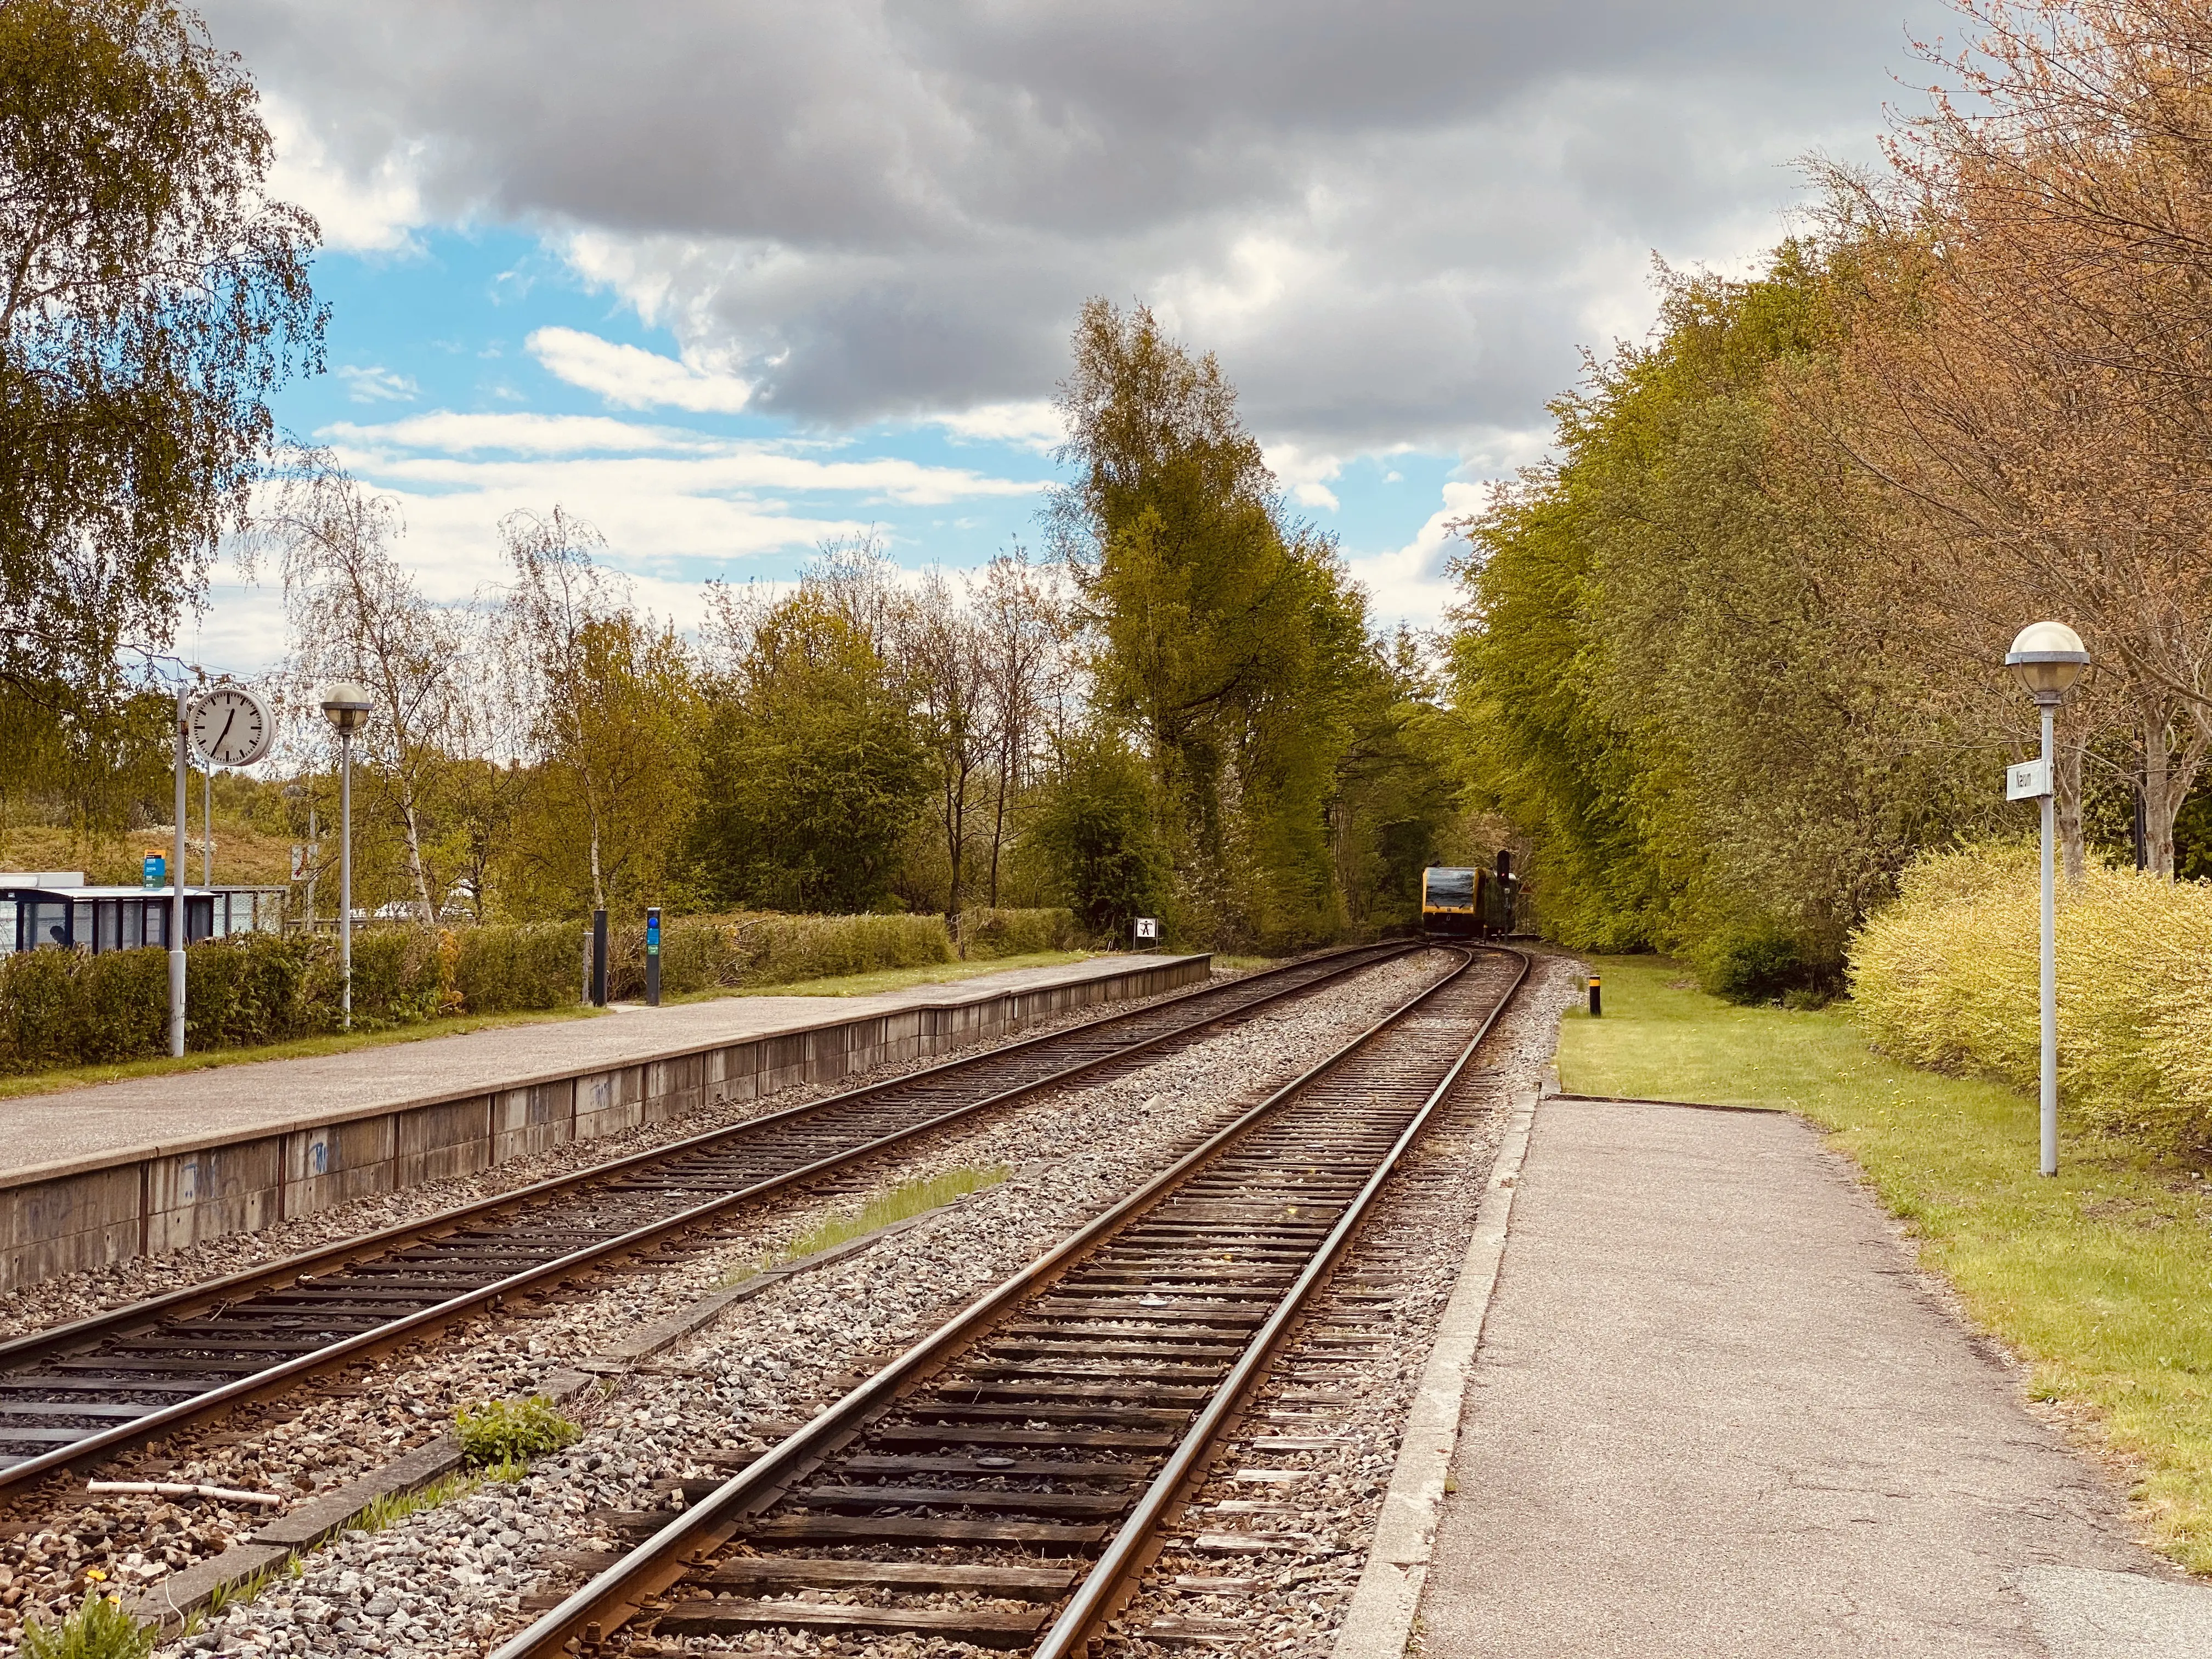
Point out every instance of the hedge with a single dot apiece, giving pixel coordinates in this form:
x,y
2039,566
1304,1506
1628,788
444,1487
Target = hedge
x,y
1947,978
60,1008
699,953
987,933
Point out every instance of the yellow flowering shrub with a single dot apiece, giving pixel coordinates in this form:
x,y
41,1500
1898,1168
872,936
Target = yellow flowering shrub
x,y
1946,978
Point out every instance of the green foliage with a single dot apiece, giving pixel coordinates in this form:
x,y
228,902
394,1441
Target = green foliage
x,y
1676,672
1095,825
534,965
63,1008
98,1628
811,767
1754,960
699,953
1947,978
155,298
987,933
1234,645
506,1432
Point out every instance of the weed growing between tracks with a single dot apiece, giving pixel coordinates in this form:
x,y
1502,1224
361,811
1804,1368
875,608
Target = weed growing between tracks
x,y
910,1198
97,1630
2095,1277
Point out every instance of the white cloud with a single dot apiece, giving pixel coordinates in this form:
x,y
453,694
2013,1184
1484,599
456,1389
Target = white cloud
x,y
433,450
630,377
376,385
1034,424
364,206
460,434
1305,475
1410,584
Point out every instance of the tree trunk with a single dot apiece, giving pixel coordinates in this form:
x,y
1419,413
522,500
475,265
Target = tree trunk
x,y
2066,787
2168,779
414,869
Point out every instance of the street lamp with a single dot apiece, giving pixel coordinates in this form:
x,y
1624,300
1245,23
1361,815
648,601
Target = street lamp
x,y
2046,658
345,704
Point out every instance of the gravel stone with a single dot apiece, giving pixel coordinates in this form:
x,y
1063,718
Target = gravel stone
x,y
779,1357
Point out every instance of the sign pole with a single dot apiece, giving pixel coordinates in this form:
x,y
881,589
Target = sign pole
x,y
2049,999
652,957
345,876
177,885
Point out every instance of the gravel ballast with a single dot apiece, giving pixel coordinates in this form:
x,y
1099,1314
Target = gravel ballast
x,y
773,1359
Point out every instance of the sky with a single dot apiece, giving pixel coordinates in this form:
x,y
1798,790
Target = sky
x,y
726,279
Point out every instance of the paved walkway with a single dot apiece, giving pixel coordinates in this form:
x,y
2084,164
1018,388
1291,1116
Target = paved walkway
x,y
53,1133
1717,1413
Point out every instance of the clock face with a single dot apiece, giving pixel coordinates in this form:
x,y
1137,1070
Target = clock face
x,y
231,726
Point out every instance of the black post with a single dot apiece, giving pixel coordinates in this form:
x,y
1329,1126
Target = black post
x,y
2142,833
599,959
1596,1008
652,957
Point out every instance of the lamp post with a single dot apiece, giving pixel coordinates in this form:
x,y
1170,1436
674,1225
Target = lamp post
x,y
2046,658
345,704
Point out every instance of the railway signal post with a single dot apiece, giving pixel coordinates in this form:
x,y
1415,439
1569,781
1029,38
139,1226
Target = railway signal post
x,y
2046,658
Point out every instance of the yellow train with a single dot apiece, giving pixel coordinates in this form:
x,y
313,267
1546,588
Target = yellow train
x,y
1475,904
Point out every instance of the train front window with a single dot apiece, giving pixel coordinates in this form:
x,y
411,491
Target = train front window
x,y
1451,889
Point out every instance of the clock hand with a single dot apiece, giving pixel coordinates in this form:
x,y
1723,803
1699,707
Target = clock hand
x,y
227,724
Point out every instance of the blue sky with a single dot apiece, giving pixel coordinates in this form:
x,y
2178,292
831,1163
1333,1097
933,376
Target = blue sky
x,y
474,372
726,279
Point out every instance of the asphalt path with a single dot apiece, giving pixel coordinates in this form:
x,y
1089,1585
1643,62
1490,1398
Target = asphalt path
x,y
1717,1412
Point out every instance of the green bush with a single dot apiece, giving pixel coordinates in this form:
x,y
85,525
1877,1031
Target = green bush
x,y
987,934
60,1008
511,1431
499,970
698,953
1947,978
1758,961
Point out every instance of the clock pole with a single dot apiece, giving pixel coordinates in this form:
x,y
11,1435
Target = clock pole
x,y
177,884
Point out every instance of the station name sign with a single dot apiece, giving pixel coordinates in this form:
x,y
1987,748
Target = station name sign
x,y
2027,780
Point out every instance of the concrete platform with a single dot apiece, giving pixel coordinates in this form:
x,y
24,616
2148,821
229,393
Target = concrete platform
x,y
1716,1412
93,1176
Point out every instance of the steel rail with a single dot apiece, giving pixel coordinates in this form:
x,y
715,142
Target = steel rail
x,y
1104,1588
660,1561
138,1316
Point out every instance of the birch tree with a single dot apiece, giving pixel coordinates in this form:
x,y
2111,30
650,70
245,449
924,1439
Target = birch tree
x,y
356,613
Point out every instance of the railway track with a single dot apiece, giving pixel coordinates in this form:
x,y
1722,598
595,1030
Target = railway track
x,y
75,1394
1002,1483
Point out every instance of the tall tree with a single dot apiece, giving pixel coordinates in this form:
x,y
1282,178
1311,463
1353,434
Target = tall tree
x,y
1229,635
151,297
357,613
813,770
610,708
941,650
1024,630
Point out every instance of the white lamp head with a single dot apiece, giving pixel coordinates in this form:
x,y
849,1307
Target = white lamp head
x,y
346,704
2046,658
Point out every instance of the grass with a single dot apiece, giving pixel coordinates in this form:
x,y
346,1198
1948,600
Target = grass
x,y
98,1628
394,1507
2096,1277
910,1198
82,1076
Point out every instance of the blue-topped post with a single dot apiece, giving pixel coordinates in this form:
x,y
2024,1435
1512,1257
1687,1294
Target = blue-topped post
x,y
2046,658
652,957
